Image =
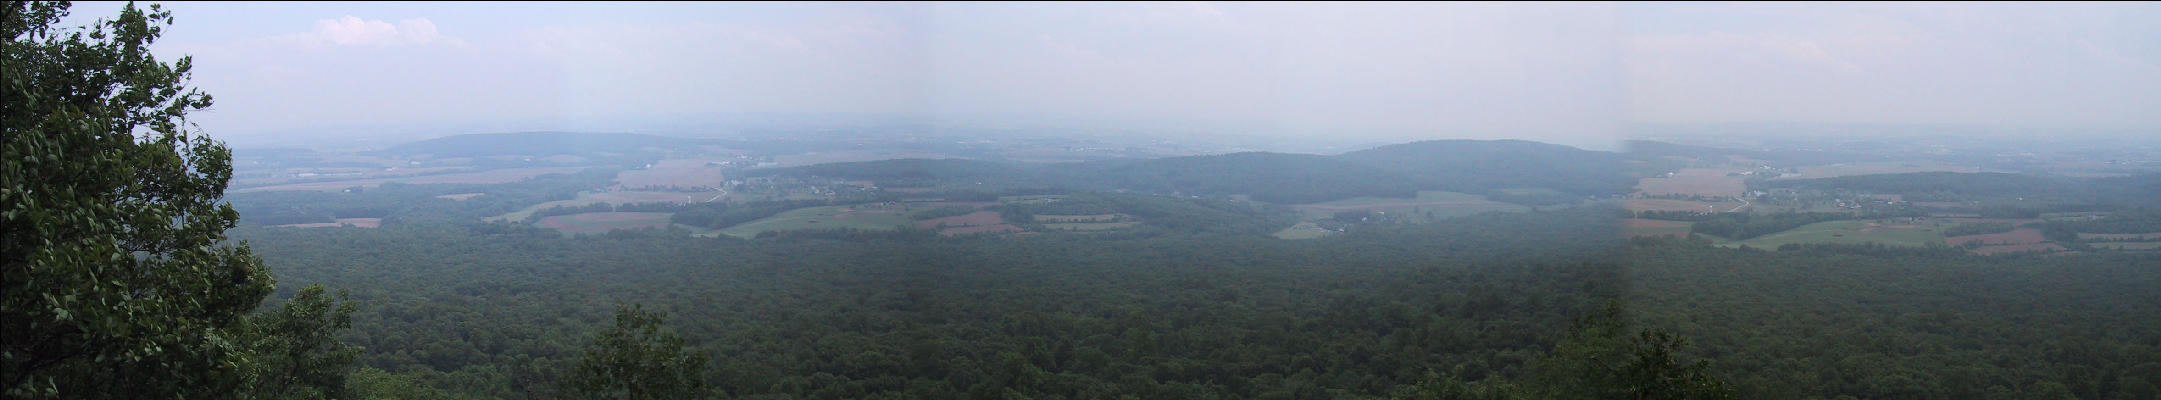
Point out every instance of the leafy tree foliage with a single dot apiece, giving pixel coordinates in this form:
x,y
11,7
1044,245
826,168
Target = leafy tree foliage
x,y
115,279
637,359
295,349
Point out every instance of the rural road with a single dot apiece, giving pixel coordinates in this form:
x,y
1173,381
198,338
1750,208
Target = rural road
x,y
1744,203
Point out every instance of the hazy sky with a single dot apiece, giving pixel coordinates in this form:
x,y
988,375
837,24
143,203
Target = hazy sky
x,y
1570,73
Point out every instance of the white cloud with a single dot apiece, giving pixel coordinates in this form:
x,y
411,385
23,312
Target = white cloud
x,y
353,31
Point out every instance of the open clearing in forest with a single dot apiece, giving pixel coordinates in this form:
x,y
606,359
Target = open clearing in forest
x,y
1303,230
600,222
1694,182
823,217
1429,205
617,198
1634,227
676,174
354,222
505,175
1848,232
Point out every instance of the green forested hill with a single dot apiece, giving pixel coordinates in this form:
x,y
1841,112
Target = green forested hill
x,y
1476,166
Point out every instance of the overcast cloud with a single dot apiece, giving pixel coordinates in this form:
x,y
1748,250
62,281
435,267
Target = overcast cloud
x,y
1567,73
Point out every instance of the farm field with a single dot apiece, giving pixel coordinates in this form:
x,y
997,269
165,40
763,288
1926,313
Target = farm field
x,y
1848,232
825,217
505,175
683,174
590,198
354,222
1429,205
601,222
1694,182
1679,205
1303,230
1634,227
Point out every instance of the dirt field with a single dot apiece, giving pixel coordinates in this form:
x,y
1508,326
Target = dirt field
x,y
459,196
505,175
604,221
672,174
2018,236
355,222
1694,182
